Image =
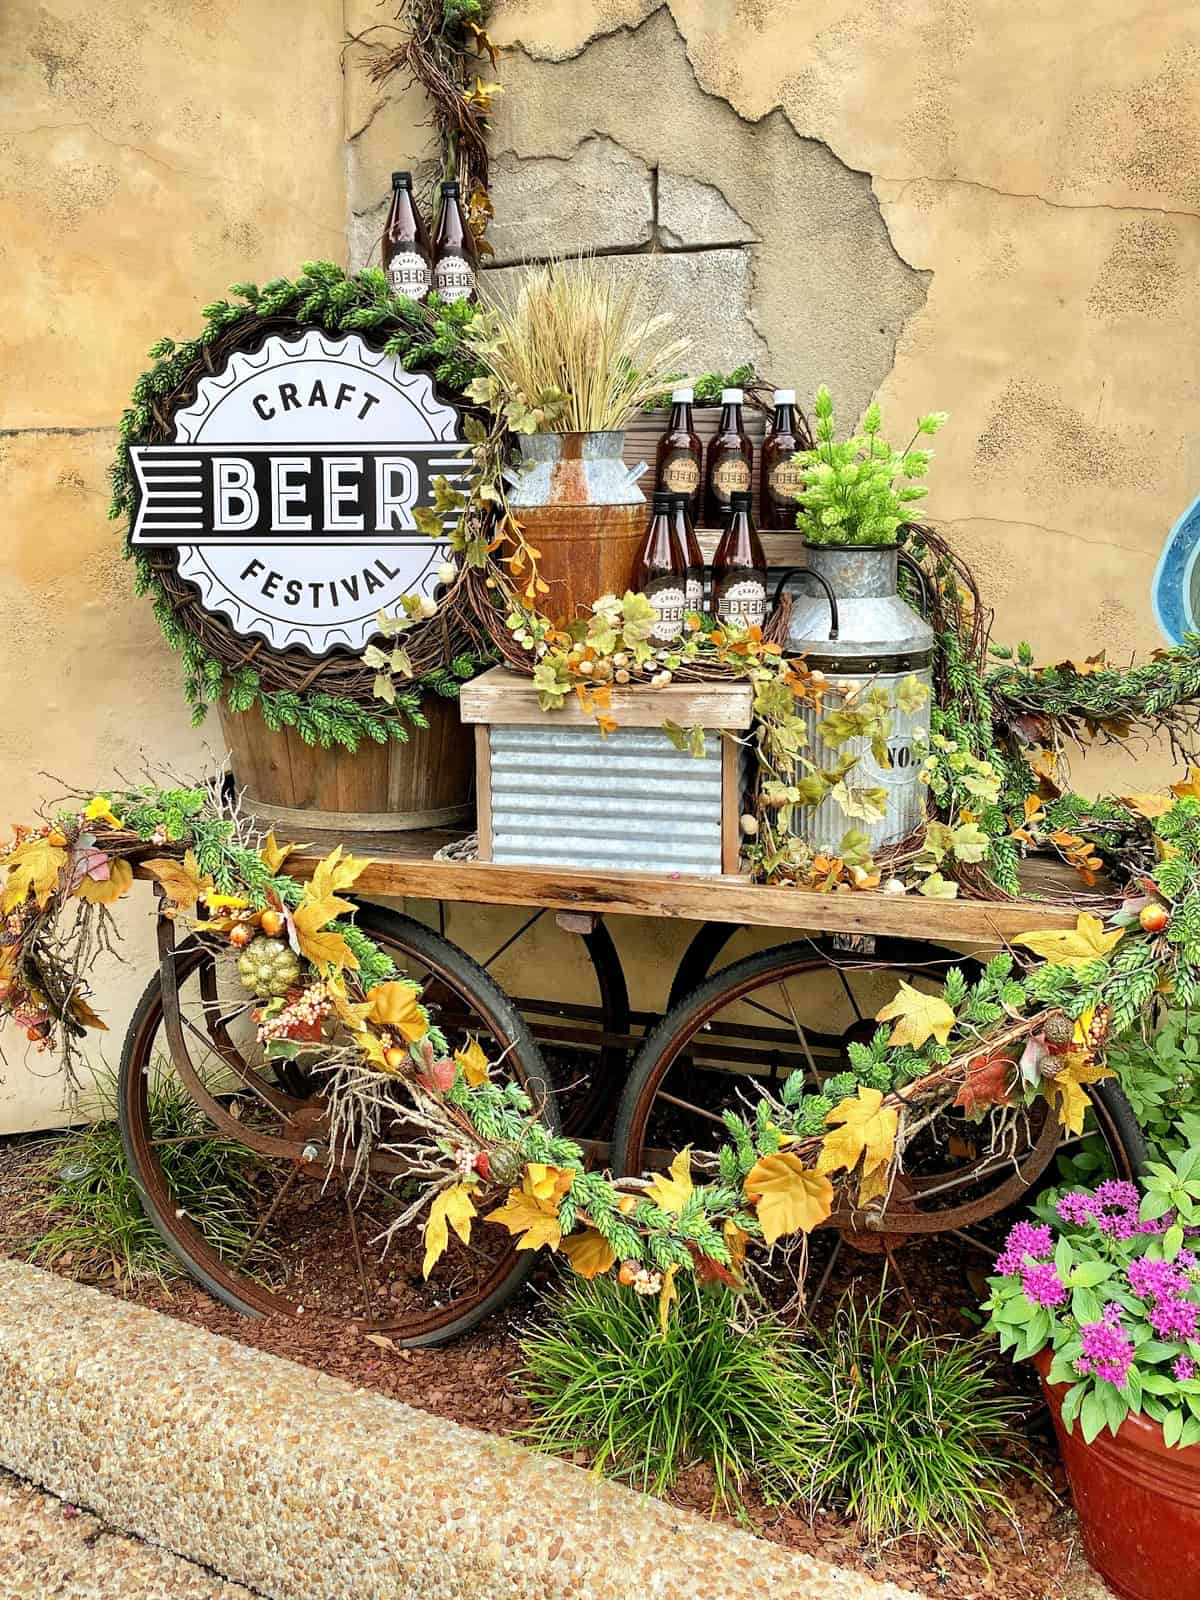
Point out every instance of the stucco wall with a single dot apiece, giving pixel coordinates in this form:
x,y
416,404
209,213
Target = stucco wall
x,y
983,208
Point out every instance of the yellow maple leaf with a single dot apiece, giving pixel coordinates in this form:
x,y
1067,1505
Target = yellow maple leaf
x,y
370,1045
395,1005
335,872
1148,805
788,1196
451,1208
918,1017
33,865
589,1253
1072,947
354,1013
273,855
474,1063
1065,1089
873,1183
736,1239
666,1295
672,1193
323,948
859,1127
102,892
547,1183
182,880
99,809
1189,789
535,1220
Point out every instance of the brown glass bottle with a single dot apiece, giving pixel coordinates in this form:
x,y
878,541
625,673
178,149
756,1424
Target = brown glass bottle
x,y
661,572
693,556
405,242
781,484
455,258
739,569
729,461
680,454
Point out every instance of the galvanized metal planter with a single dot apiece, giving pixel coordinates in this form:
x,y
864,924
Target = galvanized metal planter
x,y
858,630
552,792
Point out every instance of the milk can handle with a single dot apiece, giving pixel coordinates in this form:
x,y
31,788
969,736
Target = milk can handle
x,y
911,565
807,572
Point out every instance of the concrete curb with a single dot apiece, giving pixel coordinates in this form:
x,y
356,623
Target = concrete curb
x,y
306,1489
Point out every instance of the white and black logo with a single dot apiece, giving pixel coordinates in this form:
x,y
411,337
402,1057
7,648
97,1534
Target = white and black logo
x,y
290,488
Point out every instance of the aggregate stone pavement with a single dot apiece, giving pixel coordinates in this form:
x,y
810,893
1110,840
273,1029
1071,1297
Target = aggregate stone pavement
x,y
51,1550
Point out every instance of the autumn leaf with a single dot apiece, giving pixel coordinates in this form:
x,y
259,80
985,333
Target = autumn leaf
x,y
535,1220
273,855
182,880
667,1295
873,1184
34,867
354,1013
451,1208
788,1197
589,1253
867,1130
1065,1089
1073,947
547,1183
226,902
474,1063
986,1083
99,809
673,1193
736,1240
336,872
103,891
83,1014
323,949
1189,788
1148,805
395,1005
709,1270
917,1016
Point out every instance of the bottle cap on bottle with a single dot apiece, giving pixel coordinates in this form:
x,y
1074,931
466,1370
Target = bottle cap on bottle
x,y
401,180
683,396
663,499
741,500
785,397
731,397
450,186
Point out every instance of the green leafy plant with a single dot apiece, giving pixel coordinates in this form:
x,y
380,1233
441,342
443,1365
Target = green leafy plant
x,y
706,389
906,1433
1161,1079
93,1200
603,1376
850,495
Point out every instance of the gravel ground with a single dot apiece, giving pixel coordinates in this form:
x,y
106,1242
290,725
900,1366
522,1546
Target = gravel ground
x,y
53,1551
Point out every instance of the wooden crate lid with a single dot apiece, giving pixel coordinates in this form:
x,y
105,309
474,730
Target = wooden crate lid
x,y
500,696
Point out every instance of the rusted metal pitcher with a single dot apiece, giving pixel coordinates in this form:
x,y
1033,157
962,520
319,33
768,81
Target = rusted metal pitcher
x,y
581,508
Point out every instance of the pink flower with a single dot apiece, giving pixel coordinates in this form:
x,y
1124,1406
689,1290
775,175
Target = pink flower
x,y
1107,1352
1042,1285
1077,1207
1184,1368
1024,1239
1174,1319
1155,1280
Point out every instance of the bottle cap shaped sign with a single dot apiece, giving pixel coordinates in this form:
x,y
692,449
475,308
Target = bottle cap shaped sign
x,y
290,486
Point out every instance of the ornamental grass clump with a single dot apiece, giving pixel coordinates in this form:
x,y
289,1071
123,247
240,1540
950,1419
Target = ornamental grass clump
x,y
1106,1280
851,494
648,1401
573,351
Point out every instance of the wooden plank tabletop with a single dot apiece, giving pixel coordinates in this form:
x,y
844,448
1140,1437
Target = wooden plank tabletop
x,y
403,865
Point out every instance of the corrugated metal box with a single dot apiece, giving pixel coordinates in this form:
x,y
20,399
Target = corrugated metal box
x,y
553,792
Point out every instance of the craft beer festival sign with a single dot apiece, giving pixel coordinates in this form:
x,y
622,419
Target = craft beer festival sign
x,y
290,485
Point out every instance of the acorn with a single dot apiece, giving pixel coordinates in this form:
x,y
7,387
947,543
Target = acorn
x,y
273,923
627,1203
240,935
1154,917
483,1165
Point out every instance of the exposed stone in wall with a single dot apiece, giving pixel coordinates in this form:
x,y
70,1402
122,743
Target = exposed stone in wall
x,y
599,198
712,285
691,215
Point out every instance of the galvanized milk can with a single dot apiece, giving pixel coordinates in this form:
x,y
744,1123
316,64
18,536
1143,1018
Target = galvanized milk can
x,y
859,631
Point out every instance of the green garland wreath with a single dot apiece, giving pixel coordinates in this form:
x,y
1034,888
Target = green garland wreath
x,y
425,336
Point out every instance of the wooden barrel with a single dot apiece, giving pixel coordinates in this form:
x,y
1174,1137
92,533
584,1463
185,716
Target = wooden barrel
x,y
423,783
585,551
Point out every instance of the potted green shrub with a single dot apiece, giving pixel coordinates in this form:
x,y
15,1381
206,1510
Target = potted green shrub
x,y
1103,1295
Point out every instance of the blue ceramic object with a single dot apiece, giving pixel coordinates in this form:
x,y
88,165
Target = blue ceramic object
x,y
1176,586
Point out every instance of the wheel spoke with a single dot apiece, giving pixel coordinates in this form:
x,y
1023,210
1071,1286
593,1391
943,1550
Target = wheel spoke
x,y
358,1255
840,969
265,1221
686,1105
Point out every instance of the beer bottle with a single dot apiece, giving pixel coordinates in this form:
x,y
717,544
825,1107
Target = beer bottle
x,y
405,242
455,258
693,556
782,483
739,569
661,572
730,459
680,452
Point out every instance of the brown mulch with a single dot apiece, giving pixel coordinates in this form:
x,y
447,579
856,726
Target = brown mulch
x,y
474,1381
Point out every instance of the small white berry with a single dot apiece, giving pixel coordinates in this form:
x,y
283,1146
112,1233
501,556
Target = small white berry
x,y
447,572
427,607
749,825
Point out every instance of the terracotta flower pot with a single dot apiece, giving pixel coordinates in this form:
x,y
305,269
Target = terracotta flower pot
x,y
1138,1502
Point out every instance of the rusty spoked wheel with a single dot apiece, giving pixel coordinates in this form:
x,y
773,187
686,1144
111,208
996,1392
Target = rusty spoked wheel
x,y
296,1237
799,1006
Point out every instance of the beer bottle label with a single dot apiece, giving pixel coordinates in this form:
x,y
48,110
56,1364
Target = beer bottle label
x,y
730,476
667,596
680,473
408,274
740,597
453,278
695,592
786,481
